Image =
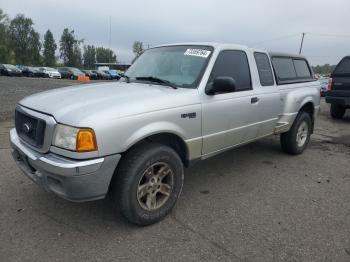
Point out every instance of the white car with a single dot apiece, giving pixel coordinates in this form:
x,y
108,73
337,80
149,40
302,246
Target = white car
x,y
50,72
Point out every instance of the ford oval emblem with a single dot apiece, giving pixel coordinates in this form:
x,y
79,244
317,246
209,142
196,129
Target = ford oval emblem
x,y
26,128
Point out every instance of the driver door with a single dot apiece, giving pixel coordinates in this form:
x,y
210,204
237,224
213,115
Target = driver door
x,y
229,119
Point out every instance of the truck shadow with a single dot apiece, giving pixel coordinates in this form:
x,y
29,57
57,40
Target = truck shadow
x,y
96,217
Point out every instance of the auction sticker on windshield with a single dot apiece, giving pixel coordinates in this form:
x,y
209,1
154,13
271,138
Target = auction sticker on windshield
x,y
197,52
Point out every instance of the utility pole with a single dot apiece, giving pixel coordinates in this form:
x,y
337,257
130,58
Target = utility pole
x,y
110,34
301,44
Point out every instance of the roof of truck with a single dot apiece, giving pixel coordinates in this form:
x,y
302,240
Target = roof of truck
x,y
213,44
280,54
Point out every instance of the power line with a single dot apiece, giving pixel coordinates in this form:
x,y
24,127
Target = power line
x,y
330,35
277,38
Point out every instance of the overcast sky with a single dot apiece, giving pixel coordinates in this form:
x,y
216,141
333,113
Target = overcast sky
x,y
255,23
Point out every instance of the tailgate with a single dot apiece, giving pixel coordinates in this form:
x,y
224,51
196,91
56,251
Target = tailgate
x,y
340,86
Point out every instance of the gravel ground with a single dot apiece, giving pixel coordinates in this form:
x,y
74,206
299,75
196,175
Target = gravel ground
x,y
13,89
250,204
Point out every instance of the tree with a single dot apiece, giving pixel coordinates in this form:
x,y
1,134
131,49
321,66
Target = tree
x,y
5,50
50,47
89,56
24,40
325,69
105,55
70,49
137,49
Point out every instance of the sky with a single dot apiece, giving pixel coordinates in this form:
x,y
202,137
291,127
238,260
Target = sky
x,y
275,25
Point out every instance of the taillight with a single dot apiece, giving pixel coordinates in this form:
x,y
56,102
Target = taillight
x,y
330,84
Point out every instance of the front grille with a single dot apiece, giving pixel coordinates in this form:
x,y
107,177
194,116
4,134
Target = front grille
x,y
29,128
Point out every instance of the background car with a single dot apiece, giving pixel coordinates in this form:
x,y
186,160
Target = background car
x,y
102,75
10,70
324,85
29,71
70,72
338,94
50,72
90,74
114,74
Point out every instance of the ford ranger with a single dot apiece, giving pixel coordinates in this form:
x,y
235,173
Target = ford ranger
x,y
176,104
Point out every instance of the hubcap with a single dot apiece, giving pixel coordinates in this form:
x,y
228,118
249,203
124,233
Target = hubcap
x,y
302,134
155,186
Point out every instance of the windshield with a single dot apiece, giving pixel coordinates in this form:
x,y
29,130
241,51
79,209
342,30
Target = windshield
x,y
183,66
343,68
10,66
76,71
50,69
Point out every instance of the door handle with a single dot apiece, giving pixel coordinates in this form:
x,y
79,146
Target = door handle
x,y
254,100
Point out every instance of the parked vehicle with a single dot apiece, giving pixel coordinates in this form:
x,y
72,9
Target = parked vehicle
x,y
90,74
50,72
175,105
29,71
70,72
38,72
10,70
101,75
113,73
324,85
339,89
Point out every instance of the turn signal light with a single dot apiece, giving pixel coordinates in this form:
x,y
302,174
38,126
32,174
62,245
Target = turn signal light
x,y
86,140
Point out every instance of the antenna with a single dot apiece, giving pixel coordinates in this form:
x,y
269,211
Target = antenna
x,y
301,44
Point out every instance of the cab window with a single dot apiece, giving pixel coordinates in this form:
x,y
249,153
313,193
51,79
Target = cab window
x,y
233,63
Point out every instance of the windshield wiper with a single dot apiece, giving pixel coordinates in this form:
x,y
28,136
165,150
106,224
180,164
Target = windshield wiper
x,y
156,79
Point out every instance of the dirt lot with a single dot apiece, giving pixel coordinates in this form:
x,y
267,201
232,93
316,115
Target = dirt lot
x,y
250,204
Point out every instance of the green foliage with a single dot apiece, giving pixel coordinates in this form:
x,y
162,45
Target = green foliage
x,y
70,49
89,56
323,69
6,54
137,49
25,41
105,55
50,47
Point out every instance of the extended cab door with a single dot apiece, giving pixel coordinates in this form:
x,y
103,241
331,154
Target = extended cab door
x,y
269,104
229,119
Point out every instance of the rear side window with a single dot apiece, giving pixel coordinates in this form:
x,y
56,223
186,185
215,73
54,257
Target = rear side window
x,y
343,67
264,69
233,63
291,70
301,68
284,68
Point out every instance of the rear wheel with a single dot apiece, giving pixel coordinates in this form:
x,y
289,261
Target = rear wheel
x,y
297,138
337,111
148,182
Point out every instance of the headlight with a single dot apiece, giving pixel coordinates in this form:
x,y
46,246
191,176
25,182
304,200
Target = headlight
x,y
74,139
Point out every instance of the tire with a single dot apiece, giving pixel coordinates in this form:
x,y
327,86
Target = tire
x,y
137,183
297,138
337,111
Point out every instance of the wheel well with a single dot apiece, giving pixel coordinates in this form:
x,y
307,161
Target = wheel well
x,y
309,108
171,140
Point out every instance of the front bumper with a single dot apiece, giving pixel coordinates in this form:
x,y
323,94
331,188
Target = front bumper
x,y
74,180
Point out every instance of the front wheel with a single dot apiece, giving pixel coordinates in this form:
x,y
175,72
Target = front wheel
x,y
297,138
147,184
337,111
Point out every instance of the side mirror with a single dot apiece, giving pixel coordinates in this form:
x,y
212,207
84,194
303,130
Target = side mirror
x,y
221,84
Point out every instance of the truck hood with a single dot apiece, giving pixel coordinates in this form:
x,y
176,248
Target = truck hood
x,y
81,105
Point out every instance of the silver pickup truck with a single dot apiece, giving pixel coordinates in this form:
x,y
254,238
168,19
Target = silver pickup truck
x,y
176,104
